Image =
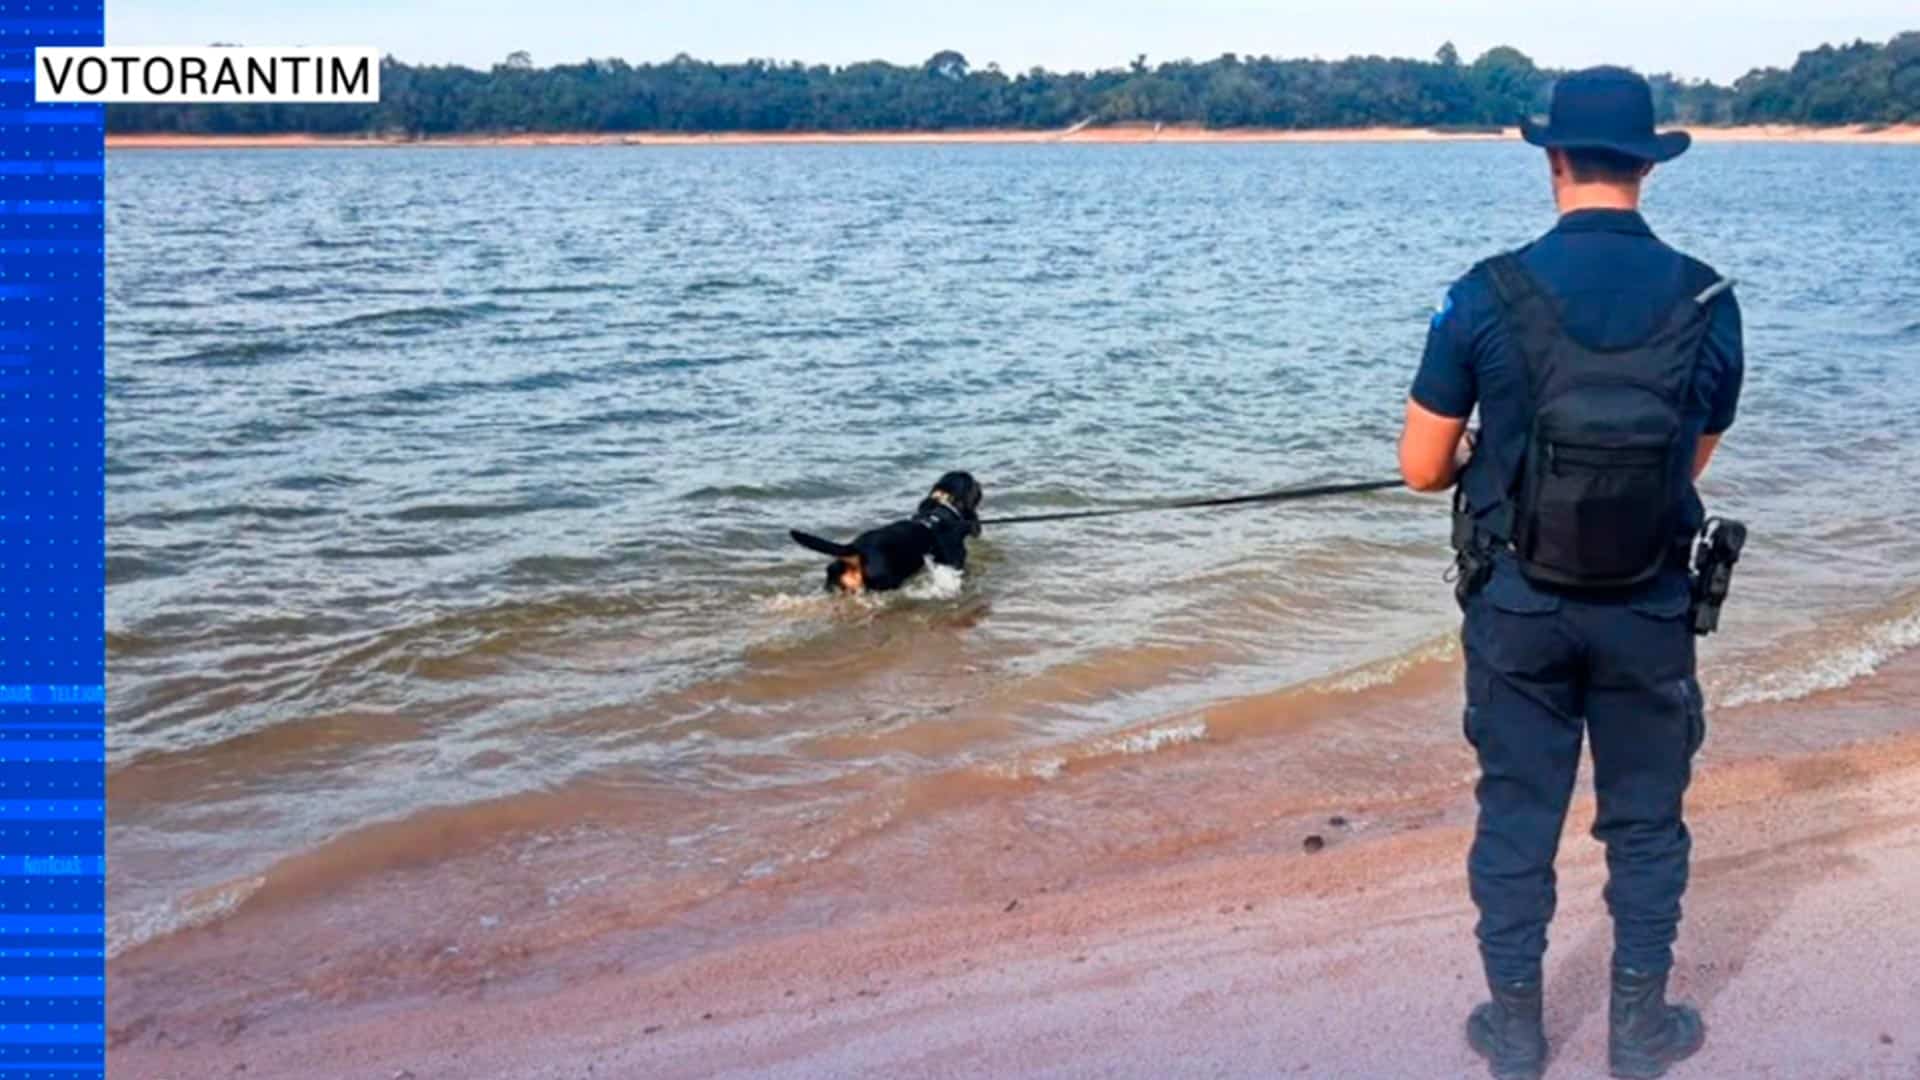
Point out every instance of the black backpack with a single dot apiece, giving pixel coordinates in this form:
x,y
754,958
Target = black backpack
x,y
1597,497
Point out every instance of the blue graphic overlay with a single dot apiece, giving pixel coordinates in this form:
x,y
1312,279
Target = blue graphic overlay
x,y
52,560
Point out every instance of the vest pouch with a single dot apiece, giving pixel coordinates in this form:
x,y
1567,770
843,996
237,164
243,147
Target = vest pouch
x,y
1598,489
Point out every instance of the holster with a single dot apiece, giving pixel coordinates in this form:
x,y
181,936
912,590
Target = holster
x,y
1715,551
1472,552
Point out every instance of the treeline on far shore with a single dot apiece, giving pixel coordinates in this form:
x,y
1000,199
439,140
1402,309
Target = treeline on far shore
x,y
1862,83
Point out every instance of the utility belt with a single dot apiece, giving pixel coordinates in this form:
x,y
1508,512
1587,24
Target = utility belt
x,y
1708,557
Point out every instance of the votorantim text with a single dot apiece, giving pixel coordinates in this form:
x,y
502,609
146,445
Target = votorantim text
x,y
213,74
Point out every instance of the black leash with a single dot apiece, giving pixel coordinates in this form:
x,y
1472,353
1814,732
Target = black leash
x,y
1283,495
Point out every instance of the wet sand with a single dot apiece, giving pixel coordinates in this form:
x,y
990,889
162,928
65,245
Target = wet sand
x,y
1907,134
1158,917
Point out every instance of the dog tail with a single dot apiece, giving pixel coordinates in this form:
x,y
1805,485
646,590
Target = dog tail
x,y
824,547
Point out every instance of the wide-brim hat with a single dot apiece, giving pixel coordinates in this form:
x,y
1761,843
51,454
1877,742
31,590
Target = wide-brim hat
x,y
1605,108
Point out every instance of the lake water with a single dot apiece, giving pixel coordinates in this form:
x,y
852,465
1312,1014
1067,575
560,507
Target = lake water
x,y
448,489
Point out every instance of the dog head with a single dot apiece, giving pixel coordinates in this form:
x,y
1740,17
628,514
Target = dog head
x,y
960,491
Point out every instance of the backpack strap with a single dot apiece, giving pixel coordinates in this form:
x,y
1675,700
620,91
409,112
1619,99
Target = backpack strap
x,y
1511,282
1531,315
1700,285
1708,294
1690,313
1530,312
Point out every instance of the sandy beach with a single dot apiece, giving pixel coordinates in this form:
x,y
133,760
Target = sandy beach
x,y
1904,134
1230,950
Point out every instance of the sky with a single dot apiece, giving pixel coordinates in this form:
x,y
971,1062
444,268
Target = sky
x,y
1717,39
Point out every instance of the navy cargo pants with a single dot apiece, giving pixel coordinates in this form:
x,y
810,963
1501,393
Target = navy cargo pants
x,y
1540,667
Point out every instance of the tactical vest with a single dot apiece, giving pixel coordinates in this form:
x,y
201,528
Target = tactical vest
x,y
1595,499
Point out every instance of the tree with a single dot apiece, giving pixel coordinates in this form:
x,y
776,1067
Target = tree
x,y
1508,84
1234,98
947,64
1855,83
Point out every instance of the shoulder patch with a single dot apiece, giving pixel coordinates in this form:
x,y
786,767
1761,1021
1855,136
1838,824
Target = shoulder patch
x,y
1442,310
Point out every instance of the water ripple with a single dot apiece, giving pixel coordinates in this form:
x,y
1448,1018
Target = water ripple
x,y
512,469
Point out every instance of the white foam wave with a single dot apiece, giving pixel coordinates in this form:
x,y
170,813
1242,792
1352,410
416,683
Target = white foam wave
x,y
1856,657
1158,737
1046,768
1391,669
1042,767
131,928
1148,740
791,604
937,583
821,603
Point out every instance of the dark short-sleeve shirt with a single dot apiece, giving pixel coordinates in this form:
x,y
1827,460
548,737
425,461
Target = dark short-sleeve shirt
x,y
1615,282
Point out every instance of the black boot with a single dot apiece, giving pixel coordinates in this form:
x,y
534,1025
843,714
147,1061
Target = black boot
x,y
1646,1035
1507,1031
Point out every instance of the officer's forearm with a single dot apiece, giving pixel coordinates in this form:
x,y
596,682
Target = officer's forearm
x,y
1430,448
1704,454
1440,478
1431,477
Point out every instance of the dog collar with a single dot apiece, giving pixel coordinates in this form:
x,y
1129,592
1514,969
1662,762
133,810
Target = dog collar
x,y
925,520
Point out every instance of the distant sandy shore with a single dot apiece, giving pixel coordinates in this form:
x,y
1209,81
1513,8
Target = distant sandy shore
x,y
1908,134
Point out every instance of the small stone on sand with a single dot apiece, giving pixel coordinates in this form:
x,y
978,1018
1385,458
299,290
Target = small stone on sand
x,y
1337,821
1313,843
1011,904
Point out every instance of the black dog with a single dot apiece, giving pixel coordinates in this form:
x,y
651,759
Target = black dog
x,y
887,557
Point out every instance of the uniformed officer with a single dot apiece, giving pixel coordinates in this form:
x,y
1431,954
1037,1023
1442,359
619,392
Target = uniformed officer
x,y
1605,366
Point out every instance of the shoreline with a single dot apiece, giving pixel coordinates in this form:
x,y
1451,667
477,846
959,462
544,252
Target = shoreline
x,y
1241,967
1229,947
1862,134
